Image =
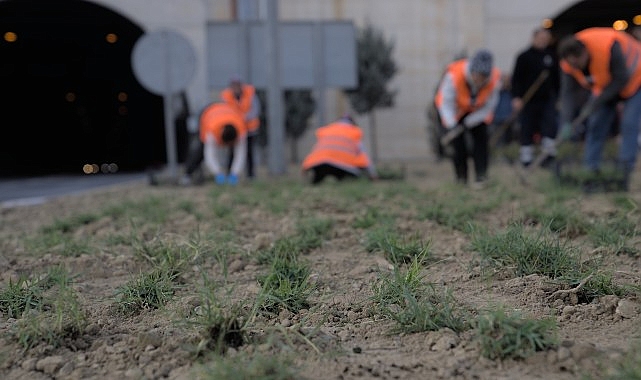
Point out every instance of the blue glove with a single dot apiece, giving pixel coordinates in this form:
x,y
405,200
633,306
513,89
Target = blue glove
x,y
232,179
220,179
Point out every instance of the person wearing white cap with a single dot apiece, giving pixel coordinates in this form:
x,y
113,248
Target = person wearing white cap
x,y
467,95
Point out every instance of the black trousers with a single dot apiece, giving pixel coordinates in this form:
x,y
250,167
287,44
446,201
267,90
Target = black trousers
x,y
324,170
538,115
478,151
250,157
195,154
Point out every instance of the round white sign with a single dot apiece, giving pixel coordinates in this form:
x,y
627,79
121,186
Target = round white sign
x,y
163,61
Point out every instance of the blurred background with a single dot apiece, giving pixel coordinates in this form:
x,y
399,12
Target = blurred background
x,y
71,102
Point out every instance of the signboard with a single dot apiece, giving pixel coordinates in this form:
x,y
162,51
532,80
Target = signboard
x,y
306,50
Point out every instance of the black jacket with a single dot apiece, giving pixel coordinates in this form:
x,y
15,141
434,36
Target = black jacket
x,y
529,65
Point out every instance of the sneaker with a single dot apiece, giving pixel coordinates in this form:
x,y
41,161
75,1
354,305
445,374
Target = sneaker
x,y
185,180
480,183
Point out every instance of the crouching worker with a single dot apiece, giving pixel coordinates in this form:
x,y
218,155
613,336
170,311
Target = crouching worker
x,y
222,126
338,152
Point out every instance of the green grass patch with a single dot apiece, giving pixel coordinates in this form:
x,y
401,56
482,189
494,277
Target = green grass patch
x,y
502,335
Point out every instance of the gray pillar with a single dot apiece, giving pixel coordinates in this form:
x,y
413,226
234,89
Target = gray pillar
x,y
276,126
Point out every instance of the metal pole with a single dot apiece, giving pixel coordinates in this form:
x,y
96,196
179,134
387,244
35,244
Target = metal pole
x,y
276,126
170,131
318,47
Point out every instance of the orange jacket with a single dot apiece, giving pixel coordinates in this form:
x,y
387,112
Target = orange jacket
x,y
215,117
598,42
242,105
338,144
464,105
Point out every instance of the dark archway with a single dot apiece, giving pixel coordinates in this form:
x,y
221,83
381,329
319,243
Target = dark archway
x,y
590,13
68,95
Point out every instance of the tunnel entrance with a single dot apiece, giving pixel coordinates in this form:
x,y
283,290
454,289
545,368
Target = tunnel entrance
x,y
68,94
601,13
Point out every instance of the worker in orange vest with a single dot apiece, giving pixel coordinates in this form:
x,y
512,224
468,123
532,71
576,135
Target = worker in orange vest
x,y
607,63
242,97
467,95
338,152
222,126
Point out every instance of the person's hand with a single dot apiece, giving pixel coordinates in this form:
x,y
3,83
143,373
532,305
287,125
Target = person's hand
x,y
232,179
220,179
517,104
566,131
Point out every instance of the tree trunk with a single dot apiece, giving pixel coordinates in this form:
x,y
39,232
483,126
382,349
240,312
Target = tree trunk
x,y
372,137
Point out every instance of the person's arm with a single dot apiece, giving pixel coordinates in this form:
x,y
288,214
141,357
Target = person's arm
x,y
254,111
518,77
569,91
619,77
480,115
240,156
211,155
447,109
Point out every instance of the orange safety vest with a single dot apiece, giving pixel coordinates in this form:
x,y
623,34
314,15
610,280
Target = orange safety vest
x,y
464,104
598,42
337,144
215,117
242,105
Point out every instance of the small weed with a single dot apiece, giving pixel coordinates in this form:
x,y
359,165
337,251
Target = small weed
x,y
244,367
371,217
398,250
459,209
525,253
220,323
614,232
51,311
416,306
147,291
502,335
559,219
286,285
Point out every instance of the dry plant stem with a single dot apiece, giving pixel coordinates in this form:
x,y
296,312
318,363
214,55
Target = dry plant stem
x,y
559,293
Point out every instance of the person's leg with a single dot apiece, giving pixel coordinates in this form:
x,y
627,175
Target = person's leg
x,y
250,156
630,119
598,127
549,125
480,151
193,160
459,158
319,173
194,155
230,159
528,120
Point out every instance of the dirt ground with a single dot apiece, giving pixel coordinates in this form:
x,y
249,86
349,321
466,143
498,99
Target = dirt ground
x,y
348,340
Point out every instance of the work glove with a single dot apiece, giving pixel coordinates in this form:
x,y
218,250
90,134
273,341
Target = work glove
x,y
566,131
232,179
220,179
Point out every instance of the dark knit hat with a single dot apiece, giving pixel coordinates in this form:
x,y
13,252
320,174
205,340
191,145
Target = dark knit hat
x,y
481,62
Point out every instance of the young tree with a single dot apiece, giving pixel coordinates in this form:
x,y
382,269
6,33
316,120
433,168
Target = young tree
x,y
376,68
299,107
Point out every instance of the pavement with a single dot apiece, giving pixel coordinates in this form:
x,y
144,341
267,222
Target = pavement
x,y
36,190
